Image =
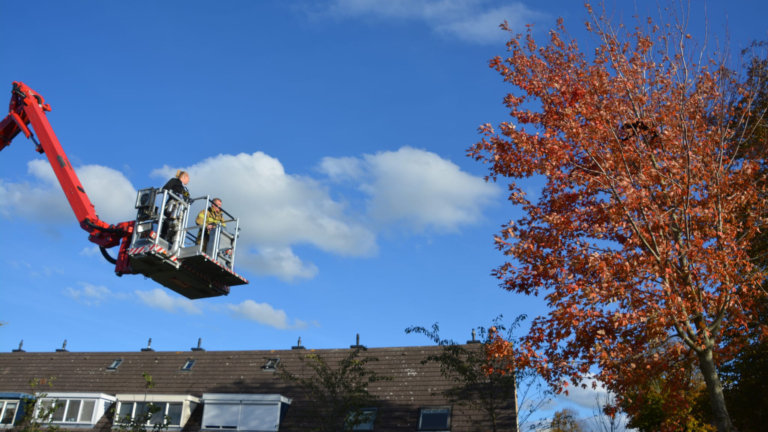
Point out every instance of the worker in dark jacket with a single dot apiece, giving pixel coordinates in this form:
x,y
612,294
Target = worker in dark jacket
x,y
178,185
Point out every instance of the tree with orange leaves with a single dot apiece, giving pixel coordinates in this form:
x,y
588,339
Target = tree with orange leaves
x,y
641,237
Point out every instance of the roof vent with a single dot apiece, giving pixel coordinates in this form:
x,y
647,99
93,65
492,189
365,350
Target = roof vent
x,y
357,343
199,348
473,341
63,347
149,347
298,345
271,364
21,344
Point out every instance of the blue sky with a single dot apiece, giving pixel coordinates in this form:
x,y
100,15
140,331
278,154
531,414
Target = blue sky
x,y
335,130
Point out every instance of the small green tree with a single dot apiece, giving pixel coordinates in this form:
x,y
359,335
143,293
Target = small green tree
x,y
482,383
144,415
42,420
336,396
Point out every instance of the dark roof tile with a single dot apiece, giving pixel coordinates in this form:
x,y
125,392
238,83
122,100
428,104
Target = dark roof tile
x,y
414,384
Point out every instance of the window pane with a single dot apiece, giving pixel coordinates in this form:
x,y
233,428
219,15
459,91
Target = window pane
x,y
159,413
364,419
221,415
58,415
259,417
432,419
86,415
45,408
9,413
72,411
141,408
174,412
126,411
140,414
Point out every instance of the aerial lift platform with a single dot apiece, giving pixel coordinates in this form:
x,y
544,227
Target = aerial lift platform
x,y
178,259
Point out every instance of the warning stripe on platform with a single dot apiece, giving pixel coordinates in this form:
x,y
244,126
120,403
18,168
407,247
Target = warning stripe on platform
x,y
225,267
138,250
153,248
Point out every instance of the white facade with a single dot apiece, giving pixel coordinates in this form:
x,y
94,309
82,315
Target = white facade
x,y
74,410
243,412
177,408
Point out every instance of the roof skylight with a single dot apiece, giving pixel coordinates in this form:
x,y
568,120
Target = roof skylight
x,y
271,365
188,365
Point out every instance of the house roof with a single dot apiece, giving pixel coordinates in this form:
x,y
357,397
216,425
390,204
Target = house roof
x,y
414,385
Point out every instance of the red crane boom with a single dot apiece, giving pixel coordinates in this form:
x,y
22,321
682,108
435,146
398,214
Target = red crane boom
x,y
160,244
27,107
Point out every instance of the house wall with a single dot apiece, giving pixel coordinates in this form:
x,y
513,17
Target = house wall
x,y
414,385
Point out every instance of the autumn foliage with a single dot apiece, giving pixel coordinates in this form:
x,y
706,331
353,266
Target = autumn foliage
x,y
640,240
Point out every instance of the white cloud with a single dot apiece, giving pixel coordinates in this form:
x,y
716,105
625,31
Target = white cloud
x,y
50,271
585,402
43,199
341,169
277,210
89,295
89,251
263,313
482,27
160,299
18,264
420,189
279,262
474,21
583,397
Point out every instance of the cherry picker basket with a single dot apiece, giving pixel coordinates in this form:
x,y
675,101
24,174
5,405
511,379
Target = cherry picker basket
x,y
173,251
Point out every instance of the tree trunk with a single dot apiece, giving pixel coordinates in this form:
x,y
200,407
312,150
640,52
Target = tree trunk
x,y
715,390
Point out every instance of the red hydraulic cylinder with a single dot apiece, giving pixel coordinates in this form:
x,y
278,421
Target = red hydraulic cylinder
x,y
71,185
28,108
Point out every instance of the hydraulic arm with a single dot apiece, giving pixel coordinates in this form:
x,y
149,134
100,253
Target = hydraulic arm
x,y
29,108
160,244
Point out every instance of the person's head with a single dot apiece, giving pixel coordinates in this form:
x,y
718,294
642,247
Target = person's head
x,y
183,176
216,204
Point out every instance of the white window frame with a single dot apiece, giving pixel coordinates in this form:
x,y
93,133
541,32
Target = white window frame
x,y
188,404
65,402
149,420
100,402
3,406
